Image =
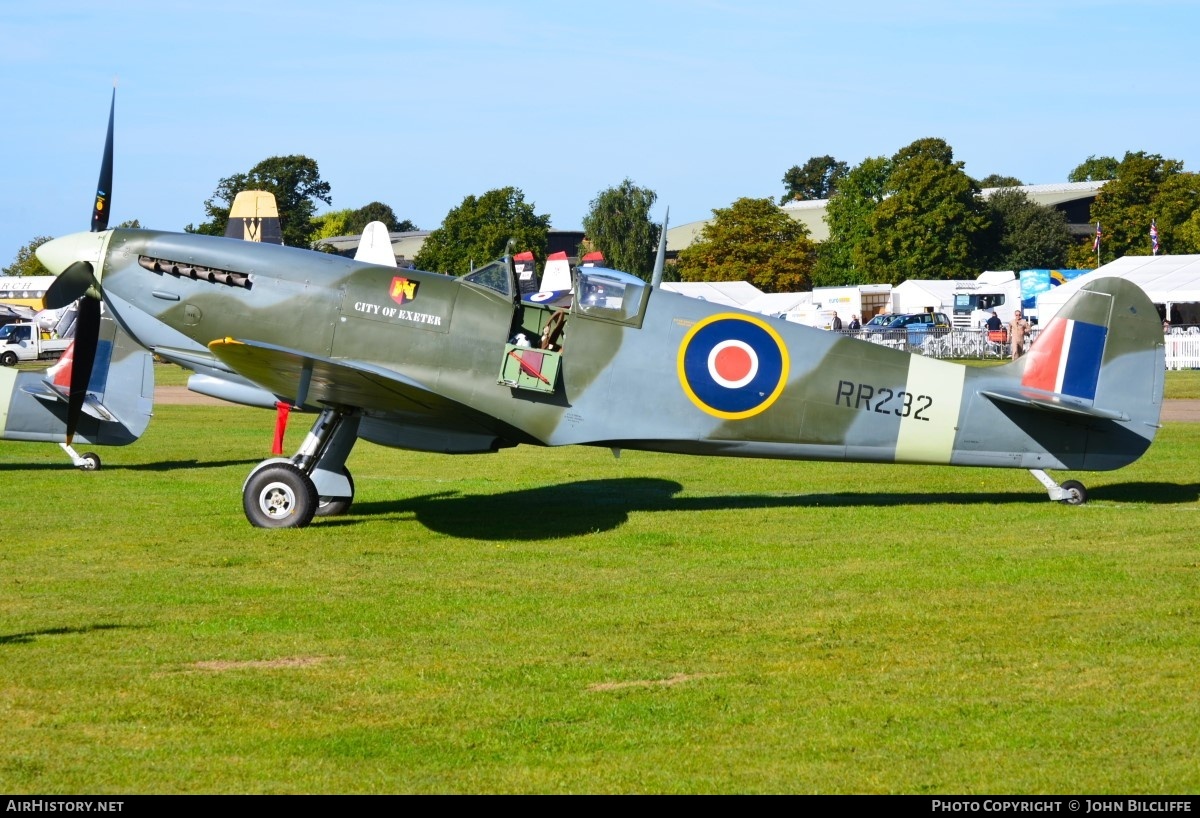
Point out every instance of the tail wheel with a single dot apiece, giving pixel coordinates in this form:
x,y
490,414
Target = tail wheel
x,y
89,461
279,496
1074,494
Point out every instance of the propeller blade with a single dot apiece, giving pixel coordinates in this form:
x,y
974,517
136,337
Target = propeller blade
x,y
104,186
87,338
70,285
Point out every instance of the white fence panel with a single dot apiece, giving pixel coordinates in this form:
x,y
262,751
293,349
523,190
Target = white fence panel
x,y
1183,348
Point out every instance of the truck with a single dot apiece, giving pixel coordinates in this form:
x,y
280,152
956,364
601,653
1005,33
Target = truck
x,y
863,300
998,290
25,341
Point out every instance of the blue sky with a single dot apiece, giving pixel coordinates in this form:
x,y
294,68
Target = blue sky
x,y
421,104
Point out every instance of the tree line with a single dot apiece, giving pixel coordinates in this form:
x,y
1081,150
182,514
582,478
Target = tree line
x,y
914,215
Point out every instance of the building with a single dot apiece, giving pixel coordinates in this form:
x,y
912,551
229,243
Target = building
x,y
1074,199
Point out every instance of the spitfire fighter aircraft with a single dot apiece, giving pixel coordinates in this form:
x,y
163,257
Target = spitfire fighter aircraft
x,y
433,362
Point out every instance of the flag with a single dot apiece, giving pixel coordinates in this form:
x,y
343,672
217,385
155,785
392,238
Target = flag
x,y
1153,238
1096,243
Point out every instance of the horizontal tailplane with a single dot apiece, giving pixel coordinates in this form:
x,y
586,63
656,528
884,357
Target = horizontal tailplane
x,y
116,410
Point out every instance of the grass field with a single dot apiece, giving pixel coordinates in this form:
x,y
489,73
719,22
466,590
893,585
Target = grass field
x,y
560,621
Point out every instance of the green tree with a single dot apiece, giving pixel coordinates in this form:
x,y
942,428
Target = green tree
x,y
26,263
330,225
1094,169
350,222
997,180
817,179
478,230
1146,187
1176,211
752,240
932,223
848,216
376,212
618,225
1025,235
296,184
930,147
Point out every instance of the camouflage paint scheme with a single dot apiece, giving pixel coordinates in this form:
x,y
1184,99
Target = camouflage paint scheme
x,y
411,359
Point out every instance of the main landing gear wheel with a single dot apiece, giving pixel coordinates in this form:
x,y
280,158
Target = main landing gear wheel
x,y
335,506
1074,494
89,461
279,495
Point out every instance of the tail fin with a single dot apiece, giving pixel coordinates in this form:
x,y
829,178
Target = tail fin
x,y
1100,357
116,410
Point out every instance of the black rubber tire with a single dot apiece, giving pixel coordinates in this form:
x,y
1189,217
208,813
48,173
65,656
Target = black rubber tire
x,y
279,496
1074,494
91,461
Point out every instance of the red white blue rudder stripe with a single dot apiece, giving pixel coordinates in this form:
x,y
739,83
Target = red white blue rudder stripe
x,y
1066,358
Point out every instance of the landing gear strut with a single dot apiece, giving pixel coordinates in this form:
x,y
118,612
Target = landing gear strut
x,y
1071,492
88,461
289,492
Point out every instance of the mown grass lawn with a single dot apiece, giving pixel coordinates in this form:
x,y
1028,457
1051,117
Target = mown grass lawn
x,y
560,621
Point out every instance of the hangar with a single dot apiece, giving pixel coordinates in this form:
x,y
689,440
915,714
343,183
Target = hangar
x,y
1074,199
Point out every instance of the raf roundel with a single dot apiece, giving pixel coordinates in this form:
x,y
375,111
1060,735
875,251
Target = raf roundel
x,y
732,366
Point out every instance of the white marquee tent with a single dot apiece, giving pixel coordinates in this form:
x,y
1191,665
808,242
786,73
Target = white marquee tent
x,y
918,295
725,293
1172,282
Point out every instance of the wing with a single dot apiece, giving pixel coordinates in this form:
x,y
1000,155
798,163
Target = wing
x,y
311,381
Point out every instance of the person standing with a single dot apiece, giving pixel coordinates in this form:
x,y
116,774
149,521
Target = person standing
x,y
855,324
837,323
1018,329
993,322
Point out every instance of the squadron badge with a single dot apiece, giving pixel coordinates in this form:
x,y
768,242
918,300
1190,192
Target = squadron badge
x,y
403,290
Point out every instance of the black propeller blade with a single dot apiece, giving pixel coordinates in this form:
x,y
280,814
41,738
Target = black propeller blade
x,y
87,338
104,186
73,283
69,286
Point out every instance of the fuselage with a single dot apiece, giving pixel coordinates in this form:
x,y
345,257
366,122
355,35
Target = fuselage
x,y
659,371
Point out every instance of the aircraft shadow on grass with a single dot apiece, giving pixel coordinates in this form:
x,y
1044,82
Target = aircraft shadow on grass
x,y
165,465
583,507
31,636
